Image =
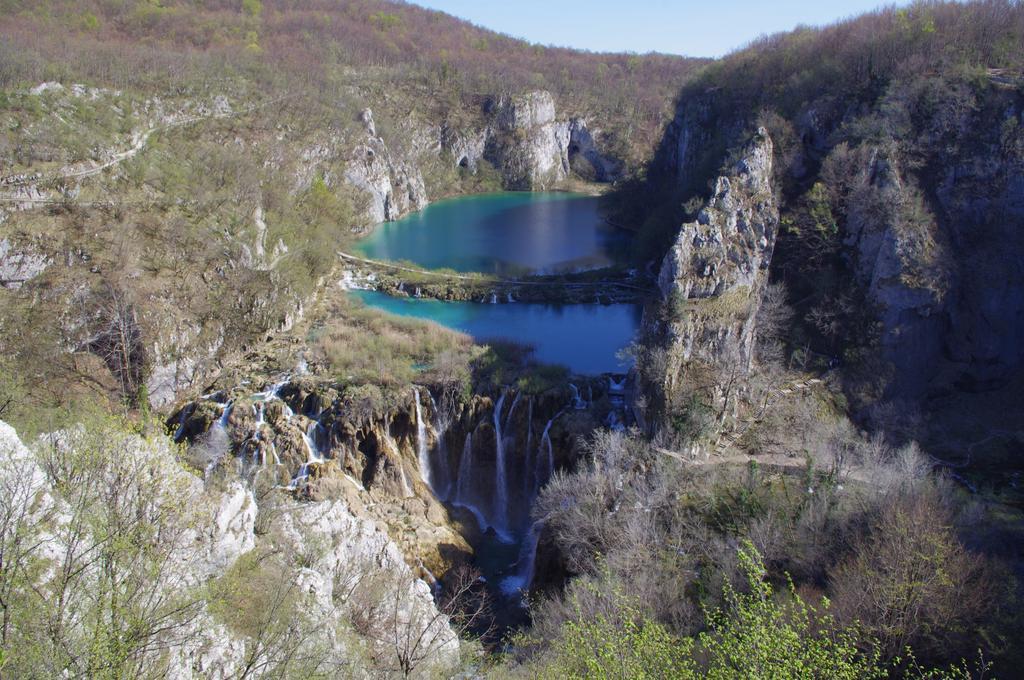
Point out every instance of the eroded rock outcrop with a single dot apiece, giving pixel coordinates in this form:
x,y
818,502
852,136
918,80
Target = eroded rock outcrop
x,y
534,149
714,275
343,568
19,265
394,184
926,220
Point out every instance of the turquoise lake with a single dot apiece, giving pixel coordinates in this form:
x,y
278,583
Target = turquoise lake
x,y
509,234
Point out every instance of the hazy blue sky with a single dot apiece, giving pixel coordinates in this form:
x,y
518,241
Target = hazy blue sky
x,y
705,28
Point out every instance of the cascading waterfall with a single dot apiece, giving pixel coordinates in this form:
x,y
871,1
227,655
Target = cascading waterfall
x,y
225,415
500,476
577,401
462,489
525,566
442,422
465,470
528,466
512,409
422,452
545,441
313,455
219,429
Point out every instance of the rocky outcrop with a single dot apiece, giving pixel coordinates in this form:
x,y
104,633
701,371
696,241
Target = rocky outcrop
x,y
395,186
344,568
535,150
928,216
530,145
714,274
19,265
943,266
903,263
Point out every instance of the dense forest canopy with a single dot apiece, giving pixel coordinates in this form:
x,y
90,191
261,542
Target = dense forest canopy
x,y
317,47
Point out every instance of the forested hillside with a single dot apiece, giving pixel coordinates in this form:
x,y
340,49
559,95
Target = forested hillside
x,y
840,313
214,148
322,48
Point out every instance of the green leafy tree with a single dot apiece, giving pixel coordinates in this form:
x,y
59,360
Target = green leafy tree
x,y
758,634
252,7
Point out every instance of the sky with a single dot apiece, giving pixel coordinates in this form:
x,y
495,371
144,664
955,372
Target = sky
x,y
697,28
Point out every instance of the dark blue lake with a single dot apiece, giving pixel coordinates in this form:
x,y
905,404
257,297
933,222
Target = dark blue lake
x,y
583,337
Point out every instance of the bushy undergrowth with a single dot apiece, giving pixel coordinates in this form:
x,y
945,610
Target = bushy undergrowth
x,y
864,550
363,345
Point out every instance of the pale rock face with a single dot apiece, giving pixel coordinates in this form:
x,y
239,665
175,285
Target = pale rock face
x,y
528,111
211,651
530,146
466,149
23,483
395,185
718,266
358,566
349,566
46,87
232,532
583,144
178,366
18,266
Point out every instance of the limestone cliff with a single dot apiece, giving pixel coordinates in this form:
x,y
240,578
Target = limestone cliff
x,y
340,568
395,185
531,146
713,277
921,206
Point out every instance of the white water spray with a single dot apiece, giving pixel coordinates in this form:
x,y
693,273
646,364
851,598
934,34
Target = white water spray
x,y
528,467
442,422
500,478
526,564
549,459
465,471
577,401
422,452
